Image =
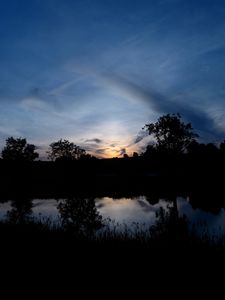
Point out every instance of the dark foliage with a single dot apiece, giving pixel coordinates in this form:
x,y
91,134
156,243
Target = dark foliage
x,y
65,150
18,149
172,135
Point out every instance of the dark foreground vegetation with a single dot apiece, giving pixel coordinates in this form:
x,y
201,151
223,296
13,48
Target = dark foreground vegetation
x,y
80,225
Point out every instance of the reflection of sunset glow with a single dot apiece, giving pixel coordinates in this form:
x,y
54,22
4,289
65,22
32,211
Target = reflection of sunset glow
x,y
127,210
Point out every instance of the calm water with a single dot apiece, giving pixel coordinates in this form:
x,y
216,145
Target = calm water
x,y
123,211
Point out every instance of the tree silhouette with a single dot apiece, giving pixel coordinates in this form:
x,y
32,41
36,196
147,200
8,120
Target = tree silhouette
x,y
172,135
80,216
20,212
18,149
135,154
210,149
65,150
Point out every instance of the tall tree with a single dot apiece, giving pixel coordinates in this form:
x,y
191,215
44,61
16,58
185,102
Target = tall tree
x,y
18,149
171,134
65,150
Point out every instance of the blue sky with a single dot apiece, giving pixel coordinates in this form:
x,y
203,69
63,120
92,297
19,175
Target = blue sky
x,y
95,72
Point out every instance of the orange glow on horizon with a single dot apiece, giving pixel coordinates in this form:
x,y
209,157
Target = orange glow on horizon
x,y
115,152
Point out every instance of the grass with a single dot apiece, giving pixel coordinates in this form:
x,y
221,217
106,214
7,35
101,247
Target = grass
x,y
169,232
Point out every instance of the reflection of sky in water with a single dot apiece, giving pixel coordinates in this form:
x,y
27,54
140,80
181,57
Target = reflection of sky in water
x,y
128,211
200,217
4,208
41,208
45,208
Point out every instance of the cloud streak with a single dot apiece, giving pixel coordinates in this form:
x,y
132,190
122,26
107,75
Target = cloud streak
x,y
117,67
96,140
161,104
141,135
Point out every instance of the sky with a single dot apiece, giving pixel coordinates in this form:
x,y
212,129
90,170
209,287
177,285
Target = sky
x,y
96,71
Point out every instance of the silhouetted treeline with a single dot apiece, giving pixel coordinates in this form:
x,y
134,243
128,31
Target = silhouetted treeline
x,y
131,176
175,162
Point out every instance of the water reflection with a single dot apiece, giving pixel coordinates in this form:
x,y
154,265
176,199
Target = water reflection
x,y
80,215
46,208
129,210
21,211
87,214
197,216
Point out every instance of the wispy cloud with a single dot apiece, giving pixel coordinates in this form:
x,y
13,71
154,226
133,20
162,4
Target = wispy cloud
x,y
141,135
95,140
116,68
101,151
60,89
161,104
122,151
34,104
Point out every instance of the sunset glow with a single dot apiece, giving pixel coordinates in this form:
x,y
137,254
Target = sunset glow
x,y
92,71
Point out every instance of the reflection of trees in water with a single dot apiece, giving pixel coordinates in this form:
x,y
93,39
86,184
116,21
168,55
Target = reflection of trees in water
x,y
209,201
169,226
21,211
152,199
80,215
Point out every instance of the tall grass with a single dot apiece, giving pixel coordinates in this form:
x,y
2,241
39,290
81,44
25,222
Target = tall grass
x,y
169,231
